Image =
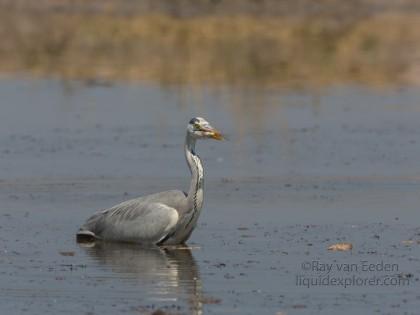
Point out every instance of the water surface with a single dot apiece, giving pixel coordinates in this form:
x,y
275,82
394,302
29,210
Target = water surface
x,y
302,170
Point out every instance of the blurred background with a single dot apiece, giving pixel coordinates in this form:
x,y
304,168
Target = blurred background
x,y
325,87
245,43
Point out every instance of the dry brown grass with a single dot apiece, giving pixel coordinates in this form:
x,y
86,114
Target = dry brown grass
x,y
217,50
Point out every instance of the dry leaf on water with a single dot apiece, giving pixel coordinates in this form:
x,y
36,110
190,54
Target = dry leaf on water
x,y
341,247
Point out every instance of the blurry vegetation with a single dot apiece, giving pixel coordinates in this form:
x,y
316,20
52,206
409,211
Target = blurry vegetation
x,y
272,43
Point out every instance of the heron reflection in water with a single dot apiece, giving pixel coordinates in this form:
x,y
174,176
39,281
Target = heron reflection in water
x,y
167,274
166,218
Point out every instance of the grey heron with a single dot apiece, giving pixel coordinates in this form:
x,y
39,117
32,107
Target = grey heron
x,y
165,218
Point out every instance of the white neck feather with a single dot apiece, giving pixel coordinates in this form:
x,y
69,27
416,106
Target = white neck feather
x,y
195,193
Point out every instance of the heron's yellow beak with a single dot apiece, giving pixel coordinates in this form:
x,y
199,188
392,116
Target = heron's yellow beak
x,y
217,135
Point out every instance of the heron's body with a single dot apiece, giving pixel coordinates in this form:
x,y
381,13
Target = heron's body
x,y
167,217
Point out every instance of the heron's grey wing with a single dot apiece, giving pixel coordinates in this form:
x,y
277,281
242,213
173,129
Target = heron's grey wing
x,y
173,198
133,221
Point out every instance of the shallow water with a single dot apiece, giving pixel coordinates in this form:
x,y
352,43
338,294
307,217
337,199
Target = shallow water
x,y
302,170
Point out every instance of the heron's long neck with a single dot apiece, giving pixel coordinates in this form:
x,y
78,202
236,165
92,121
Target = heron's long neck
x,y
195,199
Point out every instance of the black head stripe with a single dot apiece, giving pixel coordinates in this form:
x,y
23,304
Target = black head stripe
x,y
194,121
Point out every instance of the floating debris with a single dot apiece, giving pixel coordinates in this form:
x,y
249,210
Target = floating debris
x,y
210,300
299,306
405,275
341,247
407,242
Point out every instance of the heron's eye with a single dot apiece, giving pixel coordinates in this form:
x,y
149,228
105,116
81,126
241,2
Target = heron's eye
x,y
197,126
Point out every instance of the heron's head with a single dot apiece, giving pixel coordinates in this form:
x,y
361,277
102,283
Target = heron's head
x,y
201,129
